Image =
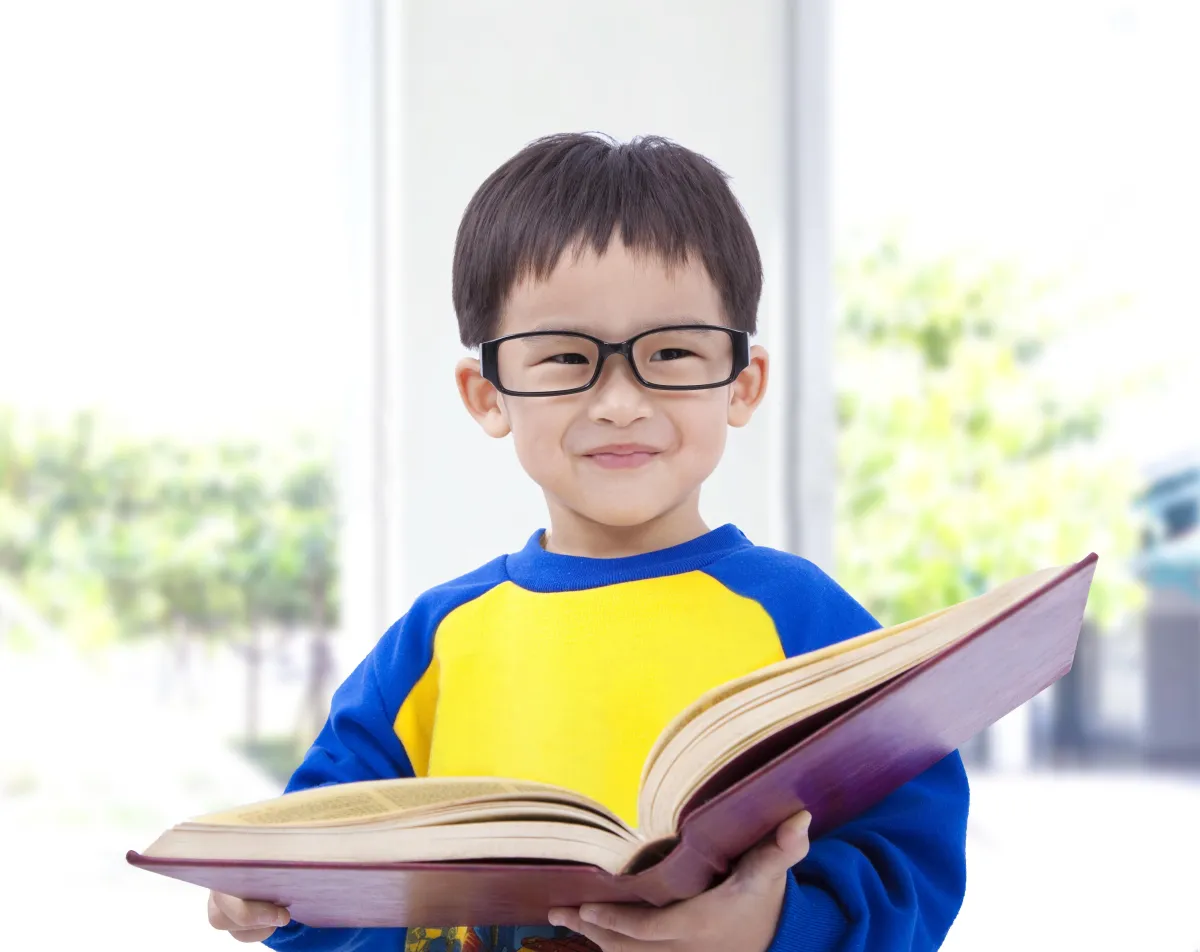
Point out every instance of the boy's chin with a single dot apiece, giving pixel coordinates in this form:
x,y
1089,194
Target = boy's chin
x,y
620,514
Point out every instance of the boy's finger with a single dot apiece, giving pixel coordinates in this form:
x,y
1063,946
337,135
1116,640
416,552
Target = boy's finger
x,y
773,858
792,837
232,914
608,941
252,935
637,922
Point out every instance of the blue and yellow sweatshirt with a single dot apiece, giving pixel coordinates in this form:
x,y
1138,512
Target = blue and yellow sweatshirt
x,y
564,670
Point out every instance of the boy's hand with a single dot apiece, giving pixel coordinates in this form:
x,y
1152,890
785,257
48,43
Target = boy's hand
x,y
245,921
741,913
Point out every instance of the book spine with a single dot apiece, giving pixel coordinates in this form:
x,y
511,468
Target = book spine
x,y
853,762
683,873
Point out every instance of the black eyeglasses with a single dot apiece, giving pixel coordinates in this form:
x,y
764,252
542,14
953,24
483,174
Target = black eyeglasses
x,y
555,363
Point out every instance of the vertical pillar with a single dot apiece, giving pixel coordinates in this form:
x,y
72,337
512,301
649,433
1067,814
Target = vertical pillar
x,y
809,437
457,86
371,485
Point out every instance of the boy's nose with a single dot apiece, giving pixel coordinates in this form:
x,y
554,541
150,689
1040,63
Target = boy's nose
x,y
617,397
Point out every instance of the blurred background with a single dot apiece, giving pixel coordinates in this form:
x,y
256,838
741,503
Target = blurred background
x,y
231,452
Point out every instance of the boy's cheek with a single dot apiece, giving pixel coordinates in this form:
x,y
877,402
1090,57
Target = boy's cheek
x,y
537,456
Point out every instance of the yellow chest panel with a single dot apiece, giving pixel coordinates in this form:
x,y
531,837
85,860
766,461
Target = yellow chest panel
x,y
573,688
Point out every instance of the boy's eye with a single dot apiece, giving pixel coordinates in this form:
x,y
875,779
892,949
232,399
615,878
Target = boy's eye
x,y
671,353
567,359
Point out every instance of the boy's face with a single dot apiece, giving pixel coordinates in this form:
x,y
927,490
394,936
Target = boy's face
x,y
619,454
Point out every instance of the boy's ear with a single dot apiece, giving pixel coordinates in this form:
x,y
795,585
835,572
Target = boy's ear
x,y
747,392
481,399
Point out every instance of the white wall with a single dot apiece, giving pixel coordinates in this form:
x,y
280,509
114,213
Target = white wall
x,y
466,84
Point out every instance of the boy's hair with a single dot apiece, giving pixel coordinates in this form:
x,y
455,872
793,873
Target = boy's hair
x,y
572,190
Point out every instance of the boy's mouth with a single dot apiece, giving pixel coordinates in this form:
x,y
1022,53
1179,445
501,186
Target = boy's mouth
x,y
622,455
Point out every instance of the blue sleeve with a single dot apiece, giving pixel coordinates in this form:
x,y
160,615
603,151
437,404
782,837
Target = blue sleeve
x,y
893,878
358,742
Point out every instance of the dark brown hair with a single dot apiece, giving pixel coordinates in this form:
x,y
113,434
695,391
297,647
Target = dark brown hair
x,y
571,190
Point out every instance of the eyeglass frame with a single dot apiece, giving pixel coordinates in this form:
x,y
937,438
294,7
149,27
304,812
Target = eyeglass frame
x,y
489,358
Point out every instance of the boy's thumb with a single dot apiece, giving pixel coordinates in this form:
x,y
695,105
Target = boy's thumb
x,y
772,858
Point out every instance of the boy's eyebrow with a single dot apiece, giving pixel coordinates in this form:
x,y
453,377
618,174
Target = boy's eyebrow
x,y
579,327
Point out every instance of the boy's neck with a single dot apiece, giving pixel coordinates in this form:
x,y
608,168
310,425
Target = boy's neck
x,y
573,534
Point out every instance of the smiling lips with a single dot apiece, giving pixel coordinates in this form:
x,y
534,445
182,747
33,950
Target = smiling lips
x,y
622,455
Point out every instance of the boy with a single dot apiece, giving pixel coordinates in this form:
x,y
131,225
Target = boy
x,y
612,289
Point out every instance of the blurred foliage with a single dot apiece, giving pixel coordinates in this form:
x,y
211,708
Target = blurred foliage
x,y
108,536
967,456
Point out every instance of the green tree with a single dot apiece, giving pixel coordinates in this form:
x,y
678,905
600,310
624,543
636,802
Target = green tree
x,y
110,536
310,539
51,509
18,520
966,456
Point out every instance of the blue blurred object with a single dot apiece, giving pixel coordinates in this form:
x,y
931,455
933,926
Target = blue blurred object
x,y
1169,564
1170,556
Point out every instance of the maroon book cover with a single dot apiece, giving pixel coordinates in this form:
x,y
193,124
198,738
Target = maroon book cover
x,y
835,765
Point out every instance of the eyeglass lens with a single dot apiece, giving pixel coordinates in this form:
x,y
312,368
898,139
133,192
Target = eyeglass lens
x,y
670,358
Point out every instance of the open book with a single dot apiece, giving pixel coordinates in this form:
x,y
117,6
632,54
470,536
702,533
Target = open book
x,y
832,731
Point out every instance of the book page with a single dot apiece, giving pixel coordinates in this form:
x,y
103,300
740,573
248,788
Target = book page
x,y
719,708
748,684
506,840
493,810
341,806
367,800
726,724
429,791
